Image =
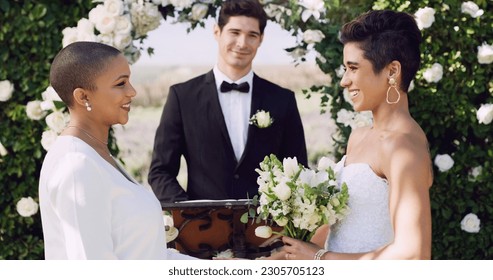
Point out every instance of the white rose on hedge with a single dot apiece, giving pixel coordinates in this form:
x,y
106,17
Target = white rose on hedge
x,y
199,11
313,36
470,223
485,54
472,9
56,121
444,162
3,151
26,207
6,90
433,74
485,113
34,110
425,17
48,138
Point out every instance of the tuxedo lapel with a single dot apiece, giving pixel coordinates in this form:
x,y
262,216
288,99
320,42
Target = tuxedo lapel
x,y
215,111
257,100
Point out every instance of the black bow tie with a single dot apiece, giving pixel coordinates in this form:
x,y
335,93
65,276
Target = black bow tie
x,y
243,87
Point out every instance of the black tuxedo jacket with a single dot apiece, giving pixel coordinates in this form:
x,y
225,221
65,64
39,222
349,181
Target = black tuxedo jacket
x,y
192,125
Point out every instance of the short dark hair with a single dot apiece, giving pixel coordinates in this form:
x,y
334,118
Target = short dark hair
x,y
248,8
385,36
77,66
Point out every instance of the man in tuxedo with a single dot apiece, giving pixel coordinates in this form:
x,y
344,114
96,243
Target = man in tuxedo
x,y
207,119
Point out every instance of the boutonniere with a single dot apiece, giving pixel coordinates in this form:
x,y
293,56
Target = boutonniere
x,y
261,119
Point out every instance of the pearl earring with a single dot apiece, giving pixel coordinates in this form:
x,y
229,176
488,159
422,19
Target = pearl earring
x,y
88,107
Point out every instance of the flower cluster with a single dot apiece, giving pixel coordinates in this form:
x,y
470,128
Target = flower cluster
x,y
298,198
52,109
117,23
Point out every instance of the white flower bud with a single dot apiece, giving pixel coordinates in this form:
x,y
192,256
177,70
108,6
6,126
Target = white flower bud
x,y
263,231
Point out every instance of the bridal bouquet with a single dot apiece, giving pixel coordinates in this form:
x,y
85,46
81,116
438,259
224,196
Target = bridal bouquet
x,y
298,198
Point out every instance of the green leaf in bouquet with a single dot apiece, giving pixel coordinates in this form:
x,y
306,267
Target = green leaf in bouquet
x,y
244,218
252,213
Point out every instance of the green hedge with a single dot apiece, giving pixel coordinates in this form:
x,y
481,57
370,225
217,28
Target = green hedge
x,y
30,36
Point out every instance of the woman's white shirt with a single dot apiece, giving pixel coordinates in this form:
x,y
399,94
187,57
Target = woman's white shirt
x,y
90,210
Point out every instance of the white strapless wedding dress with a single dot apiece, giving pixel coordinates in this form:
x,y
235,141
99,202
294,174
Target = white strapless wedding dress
x,y
368,226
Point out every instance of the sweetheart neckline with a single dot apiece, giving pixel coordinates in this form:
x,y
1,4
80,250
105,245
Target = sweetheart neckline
x,y
343,160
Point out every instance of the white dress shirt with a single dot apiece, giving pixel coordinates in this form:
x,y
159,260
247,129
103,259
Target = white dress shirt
x,y
90,210
236,108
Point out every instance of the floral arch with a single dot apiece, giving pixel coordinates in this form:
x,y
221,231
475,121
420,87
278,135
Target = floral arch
x,y
451,97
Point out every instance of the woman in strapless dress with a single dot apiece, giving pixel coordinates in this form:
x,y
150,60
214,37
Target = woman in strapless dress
x,y
387,165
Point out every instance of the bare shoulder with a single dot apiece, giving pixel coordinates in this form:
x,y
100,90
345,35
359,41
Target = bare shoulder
x,y
407,155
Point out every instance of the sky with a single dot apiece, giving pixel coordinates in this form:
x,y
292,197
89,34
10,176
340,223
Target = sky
x,y
174,46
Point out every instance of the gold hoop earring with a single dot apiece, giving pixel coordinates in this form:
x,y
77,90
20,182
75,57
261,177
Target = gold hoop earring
x,y
88,107
393,85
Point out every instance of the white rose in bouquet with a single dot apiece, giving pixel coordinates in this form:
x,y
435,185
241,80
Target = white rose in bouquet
x,y
444,162
485,113
425,17
433,74
6,90
34,110
313,36
325,163
282,190
26,207
485,54
470,223
290,166
472,9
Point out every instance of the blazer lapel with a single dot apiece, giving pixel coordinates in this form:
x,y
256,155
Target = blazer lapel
x,y
257,99
215,113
